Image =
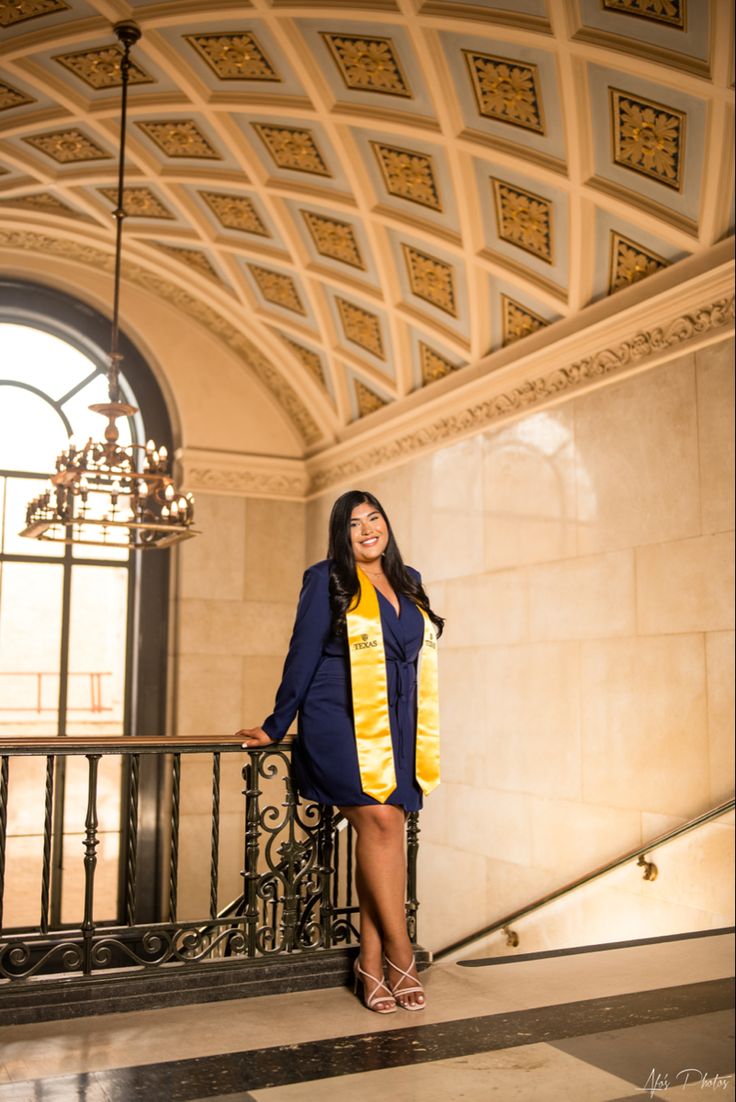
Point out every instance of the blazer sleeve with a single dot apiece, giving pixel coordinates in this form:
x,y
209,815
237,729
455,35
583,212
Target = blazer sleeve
x,y
311,627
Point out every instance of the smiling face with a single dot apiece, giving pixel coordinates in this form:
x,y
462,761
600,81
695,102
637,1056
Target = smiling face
x,y
368,535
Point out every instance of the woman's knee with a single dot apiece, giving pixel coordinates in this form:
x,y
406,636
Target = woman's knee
x,y
379,820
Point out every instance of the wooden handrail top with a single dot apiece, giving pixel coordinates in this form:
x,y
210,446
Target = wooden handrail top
x,y
116,744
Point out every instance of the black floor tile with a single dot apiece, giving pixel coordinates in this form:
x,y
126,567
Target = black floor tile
x,y
659,1055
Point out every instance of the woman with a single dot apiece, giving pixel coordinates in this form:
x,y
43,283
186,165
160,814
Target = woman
x,y
365,745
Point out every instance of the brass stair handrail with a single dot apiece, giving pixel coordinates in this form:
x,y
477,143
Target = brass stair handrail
x,y
617,862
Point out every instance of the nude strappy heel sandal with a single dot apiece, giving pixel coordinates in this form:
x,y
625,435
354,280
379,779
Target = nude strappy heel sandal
x,y
370,1000
398,991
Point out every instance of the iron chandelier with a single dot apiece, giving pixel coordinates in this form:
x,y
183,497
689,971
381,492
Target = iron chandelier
x,y
105,493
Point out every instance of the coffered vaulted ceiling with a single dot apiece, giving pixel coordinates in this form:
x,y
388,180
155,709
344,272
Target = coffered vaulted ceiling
x,y
361,199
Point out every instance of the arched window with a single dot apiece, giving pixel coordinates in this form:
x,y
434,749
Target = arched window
x,y
82,629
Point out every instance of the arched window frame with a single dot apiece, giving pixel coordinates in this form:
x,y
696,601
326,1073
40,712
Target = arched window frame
x,y
85,328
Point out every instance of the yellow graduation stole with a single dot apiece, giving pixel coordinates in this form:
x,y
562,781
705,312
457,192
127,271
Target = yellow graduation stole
x,y
370,699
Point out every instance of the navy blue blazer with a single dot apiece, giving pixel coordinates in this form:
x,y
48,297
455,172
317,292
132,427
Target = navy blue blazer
x,y
316,685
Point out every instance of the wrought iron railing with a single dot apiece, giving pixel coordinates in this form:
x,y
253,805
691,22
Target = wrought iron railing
x,y
297,868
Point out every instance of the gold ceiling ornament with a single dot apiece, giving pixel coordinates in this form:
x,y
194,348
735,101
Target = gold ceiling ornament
x,y
368,64
361,327
518,321
12,97
139,202
67,146
292,147
408,174
100,68
43,201
107,494
523,219
235,55
506,90
433,365
648,137
671,12
179,138
431,279
631,262
17,11
235,212
334,238
368,400
309,359
194,258
277,288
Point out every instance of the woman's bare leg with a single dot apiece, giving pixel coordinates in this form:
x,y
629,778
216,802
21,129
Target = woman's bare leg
x,y
381,883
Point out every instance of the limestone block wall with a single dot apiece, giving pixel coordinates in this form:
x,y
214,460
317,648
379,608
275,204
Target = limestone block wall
x,y
236,587
583,557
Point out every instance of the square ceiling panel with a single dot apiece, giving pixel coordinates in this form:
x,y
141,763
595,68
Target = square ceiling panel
x,y
334,240
626,253
648,141
525,224
311,359
237,214
409,176
515,313
296,150
362,330
368,65
508,93
676,32
92,69
235,57
22,17
431,360
280,292
432,281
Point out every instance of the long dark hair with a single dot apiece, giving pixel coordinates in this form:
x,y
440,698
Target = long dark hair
x,y
343,573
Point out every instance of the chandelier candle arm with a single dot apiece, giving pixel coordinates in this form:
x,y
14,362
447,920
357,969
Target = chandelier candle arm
x,y
108,494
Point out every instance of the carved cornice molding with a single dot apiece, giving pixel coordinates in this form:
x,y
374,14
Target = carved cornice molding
x,y
679,333
206,315
239,475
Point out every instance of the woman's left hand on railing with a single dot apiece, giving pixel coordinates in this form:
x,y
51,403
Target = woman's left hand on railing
x,y
254,737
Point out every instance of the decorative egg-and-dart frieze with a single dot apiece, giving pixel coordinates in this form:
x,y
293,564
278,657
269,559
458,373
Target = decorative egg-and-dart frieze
x,y
138,202
12,97
368,64
193,258
361,327
433,365
506,90
431,279
179,138
100,68
368,400
524,219
631,262
234,55
277,288
518,321
648,137
17,11
235,212
671,12
309,359
334,238
408,174
67,146
292,147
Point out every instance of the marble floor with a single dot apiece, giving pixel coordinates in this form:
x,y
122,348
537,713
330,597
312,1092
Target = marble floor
x,y
637,1021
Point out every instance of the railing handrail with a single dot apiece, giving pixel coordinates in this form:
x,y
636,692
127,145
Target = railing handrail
x,y
130,744
601,870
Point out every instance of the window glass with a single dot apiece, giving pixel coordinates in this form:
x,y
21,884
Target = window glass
x,y
37,358
18,493
31,432
97,639
30,647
